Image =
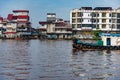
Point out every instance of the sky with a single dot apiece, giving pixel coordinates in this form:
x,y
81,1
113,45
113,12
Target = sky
x,y
39,8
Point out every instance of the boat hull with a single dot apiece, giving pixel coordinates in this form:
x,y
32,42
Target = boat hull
x,y
94,47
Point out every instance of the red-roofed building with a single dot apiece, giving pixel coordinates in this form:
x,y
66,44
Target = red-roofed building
x,y
20,16
10,17
18,23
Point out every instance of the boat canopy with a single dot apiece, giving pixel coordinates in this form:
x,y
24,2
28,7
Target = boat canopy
x,y
110,34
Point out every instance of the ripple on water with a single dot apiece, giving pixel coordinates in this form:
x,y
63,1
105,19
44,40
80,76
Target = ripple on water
x,y
55,60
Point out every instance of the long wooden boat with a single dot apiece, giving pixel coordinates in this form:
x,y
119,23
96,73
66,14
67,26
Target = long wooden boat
x,y
91,46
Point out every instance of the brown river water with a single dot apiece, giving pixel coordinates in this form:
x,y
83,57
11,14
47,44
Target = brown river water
x,y
55,60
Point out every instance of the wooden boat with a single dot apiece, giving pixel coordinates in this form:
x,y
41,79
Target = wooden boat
x,y
88,46
107,42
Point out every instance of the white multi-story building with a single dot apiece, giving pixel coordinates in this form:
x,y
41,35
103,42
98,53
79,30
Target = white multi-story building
x,y
87,19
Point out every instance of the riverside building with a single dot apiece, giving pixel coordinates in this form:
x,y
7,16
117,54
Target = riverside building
x,y
2,28
88,19
55,27
19,20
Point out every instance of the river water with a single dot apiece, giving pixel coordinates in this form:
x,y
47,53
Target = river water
x,y
55,60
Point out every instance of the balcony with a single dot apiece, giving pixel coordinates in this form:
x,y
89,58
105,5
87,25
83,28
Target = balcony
x,y
103,20
103,14
73,14
86,28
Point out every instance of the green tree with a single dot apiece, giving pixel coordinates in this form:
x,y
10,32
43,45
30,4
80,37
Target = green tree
x,y
96,34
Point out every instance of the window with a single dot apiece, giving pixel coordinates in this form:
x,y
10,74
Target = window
x,y
113,26
104,20
103,14
118,15
93,14
79,26
86,25
42,24
104,26
118,21
79,14
113,14
4,24
97,26
97,14
113,20
110,15
97,20
94,26
73,14
79,20
93,20
73,25
109,20
73,20
118,26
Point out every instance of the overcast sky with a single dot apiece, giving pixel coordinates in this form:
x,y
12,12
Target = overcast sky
x,y
39,8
